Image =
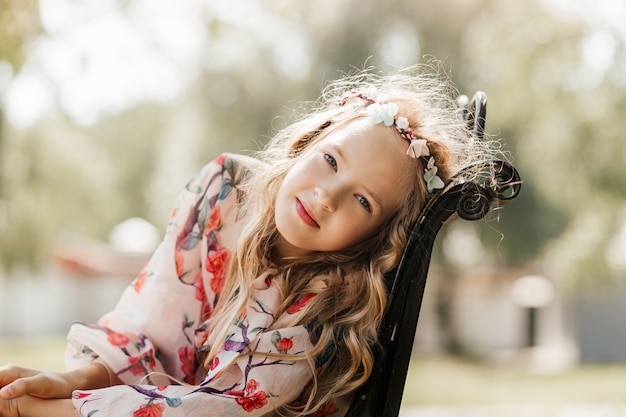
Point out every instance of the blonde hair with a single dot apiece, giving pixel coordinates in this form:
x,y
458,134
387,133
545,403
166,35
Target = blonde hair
x,y
349,308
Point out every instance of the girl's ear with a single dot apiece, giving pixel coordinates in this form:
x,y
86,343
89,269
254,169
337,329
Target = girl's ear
x,y
303,141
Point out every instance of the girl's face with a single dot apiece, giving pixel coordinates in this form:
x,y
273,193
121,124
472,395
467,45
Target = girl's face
x,y
342,190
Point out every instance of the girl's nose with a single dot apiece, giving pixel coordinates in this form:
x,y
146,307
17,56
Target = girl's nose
x,y
327,197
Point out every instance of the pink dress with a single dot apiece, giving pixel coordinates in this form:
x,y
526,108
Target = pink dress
x,y
159,322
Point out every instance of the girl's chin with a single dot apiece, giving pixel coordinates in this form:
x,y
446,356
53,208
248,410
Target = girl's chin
x,y
286,249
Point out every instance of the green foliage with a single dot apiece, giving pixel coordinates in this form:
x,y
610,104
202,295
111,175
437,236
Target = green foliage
x,y
19,25
556,109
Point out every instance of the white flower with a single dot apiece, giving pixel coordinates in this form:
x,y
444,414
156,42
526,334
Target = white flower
x,y
418,148
371,92
402,123
384,113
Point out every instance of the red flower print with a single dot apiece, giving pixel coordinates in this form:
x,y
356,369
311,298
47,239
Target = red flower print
x,y
140,280
215,363
78,395
214,222
207,310
217,283
252,385
149,410
284,344
137,366
174,211
200,292
216,263
186,354
178,260
257,400
300,304
220,160
250,398
118,339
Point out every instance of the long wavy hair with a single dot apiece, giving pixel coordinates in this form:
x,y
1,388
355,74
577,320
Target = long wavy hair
x,y
349,307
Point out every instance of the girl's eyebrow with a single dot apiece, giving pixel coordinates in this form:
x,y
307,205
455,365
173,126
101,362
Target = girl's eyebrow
x,y
336,148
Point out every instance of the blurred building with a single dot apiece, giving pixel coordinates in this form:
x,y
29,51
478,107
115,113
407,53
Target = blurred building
x,y
83,280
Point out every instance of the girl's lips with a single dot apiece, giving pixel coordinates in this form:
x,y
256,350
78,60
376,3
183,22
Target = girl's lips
x,y
304,215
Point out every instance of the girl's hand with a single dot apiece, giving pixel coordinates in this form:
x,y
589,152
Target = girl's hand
x,y
27,406
16,381
8,408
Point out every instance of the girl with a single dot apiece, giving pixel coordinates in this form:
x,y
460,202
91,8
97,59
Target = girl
x,y
266,294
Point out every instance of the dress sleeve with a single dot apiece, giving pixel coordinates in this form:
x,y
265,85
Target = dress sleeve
x,y
249,377
159,324
150,332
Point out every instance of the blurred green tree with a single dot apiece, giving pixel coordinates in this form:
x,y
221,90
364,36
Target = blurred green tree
x,y
554,78
19,26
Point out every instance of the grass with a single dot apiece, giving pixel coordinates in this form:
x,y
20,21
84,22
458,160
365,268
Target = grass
x,y
44,352
453,381
432,380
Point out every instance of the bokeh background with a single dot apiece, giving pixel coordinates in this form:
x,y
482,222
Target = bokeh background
x,y
109,106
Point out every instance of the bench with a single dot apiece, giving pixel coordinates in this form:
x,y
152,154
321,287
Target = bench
x,y
498,183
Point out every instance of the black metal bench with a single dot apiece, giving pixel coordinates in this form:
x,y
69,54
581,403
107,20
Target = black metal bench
x,y
381,395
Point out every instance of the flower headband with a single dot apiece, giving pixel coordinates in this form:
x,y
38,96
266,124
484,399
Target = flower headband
x,y
386,112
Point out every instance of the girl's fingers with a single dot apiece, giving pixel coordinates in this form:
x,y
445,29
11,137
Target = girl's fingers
x,y
38,385
9,374
13,390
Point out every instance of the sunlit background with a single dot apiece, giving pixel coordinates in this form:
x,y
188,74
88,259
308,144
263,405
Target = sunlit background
x,y
109,106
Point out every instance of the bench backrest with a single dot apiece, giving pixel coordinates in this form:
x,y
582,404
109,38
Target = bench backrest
x,y
381,395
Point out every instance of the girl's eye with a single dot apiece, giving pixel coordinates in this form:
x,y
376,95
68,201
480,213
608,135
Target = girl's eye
x,y
331,161
363,201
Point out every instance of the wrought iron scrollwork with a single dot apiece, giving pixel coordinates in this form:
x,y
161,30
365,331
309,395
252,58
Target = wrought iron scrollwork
x,y
476,198
471,194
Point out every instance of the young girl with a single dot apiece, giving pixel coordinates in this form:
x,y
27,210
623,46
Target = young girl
x,y
266,294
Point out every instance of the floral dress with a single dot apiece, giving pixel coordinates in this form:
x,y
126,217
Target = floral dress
x,y
159,323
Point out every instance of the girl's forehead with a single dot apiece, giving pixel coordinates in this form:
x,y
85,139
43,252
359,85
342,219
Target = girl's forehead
x,y
377,156
370,139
